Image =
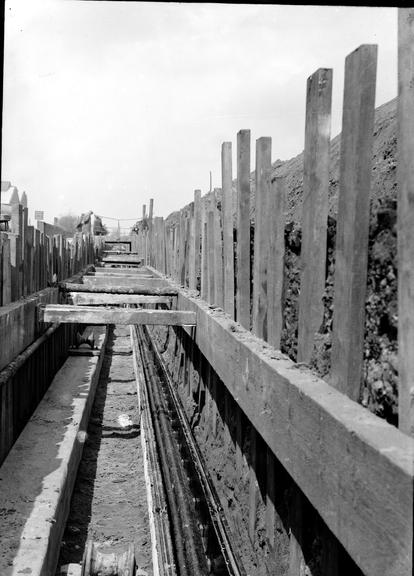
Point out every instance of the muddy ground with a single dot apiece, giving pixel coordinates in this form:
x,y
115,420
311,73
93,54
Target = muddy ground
x,y
109,502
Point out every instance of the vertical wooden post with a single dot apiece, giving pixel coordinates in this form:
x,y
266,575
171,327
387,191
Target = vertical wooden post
x,y
181,270
276,259
406,219
204,262
211,268
227,212
150,227
315,209
353,220
276,216
204,251
260,265
243,229
243,259
6,296
191,252
197,235
218,256
261,236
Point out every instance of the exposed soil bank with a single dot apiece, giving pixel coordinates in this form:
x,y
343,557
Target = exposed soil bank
x,y
109,502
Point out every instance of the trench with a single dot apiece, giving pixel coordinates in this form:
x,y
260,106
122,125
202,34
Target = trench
x,y
111,504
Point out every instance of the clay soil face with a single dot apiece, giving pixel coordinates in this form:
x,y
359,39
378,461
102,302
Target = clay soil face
x,y
109,502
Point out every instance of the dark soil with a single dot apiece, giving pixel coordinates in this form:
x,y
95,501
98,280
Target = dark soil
x,y
379,383
109,502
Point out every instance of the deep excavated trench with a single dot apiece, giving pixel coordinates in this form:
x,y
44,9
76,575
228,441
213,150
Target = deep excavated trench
x,y
142,479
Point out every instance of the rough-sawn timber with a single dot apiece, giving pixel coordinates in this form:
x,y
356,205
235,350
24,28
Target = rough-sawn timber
x,y
165,291
113,315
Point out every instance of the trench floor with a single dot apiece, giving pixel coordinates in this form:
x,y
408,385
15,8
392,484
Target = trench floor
x,y
109,502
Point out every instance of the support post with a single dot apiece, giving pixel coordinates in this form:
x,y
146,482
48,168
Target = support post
x,y
406,219
243,229
227,212
353,220
315,209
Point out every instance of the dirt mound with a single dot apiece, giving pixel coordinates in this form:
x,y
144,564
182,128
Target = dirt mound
x,y
380,379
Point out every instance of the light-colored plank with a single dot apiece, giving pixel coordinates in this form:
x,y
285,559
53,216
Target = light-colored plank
x,y
191,252
261,236
150,291
342,457
122,259
276,261
243,229
315,209
353,220
406,219
197,234
227,212
88,299
125,281
92,315
218,257
210,258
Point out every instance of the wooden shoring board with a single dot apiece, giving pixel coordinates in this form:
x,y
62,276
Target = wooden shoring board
x,y
66,313
352,230
123,282
150,291
315,209
405,220
130,271
129,274
343,457
90,299
122,259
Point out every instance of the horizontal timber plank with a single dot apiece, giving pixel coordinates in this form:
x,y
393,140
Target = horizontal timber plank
x,y
121,270
165,291
88,299
122,259
92,315
356,469
123,281
115,274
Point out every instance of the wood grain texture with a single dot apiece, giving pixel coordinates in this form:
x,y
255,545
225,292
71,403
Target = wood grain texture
x,y
90,299
243,229
406,219
74,287
353,220
123,282
276,261
93,315
314,209
261,236
197,234
227,212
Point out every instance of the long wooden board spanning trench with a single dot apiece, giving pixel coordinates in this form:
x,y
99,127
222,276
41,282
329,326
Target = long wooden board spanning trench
x,y
90,299
356,469
133,282
113,315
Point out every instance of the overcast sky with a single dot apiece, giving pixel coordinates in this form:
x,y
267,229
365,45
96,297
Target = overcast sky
x,y
107,104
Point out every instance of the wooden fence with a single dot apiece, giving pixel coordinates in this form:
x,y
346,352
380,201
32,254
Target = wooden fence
x,y
31,265
31,260
199,253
